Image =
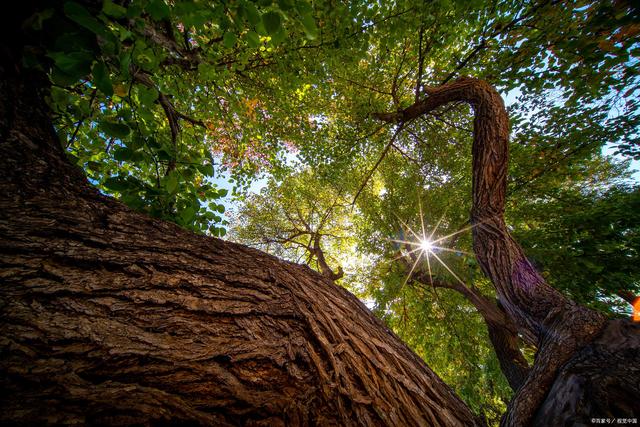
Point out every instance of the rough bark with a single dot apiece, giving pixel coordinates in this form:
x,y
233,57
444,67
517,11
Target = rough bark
x,y
563,328
111,317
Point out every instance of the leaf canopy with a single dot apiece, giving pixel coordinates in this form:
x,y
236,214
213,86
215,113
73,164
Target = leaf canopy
x,y
163,103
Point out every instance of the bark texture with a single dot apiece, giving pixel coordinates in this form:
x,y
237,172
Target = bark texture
x,y
111,317
563,329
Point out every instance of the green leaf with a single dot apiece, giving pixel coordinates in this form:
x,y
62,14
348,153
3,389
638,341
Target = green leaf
x,y
125,61
81,16
229,40
147,95
206,170
61,78
115,129
146,58
116,183
60,99
158,9
164,155
217,231
278,37
73,64
134,9
171,183
285,4
188,215
133,201
112,9
253,39
94,166
251,11
309,25
272,22
122,154
101,78
303,7
153,143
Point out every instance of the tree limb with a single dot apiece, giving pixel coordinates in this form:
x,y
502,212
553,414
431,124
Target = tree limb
x,y
561,326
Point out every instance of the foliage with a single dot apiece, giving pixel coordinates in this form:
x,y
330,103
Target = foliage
x,y
154,101
158,101
286,218
587,244
444,329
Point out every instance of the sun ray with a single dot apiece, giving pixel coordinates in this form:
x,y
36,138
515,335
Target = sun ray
x,y
449,270
426,246
462,230
429,270
411,271
402,255
408,228
404,241
457,251
436,227
424,236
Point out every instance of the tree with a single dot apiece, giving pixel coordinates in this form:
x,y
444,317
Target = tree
x,y
594,241
560,326
112,317
72,240
297,219
442,327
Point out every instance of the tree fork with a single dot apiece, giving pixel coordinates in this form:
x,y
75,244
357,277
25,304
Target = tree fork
x,y
502,331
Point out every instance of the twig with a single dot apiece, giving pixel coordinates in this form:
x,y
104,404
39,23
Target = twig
x,y
81,121
420,64
382,155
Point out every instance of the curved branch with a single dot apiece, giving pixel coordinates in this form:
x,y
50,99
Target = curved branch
x,y
322,262
560,325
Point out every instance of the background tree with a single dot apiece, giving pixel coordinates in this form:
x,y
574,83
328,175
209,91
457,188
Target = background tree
x,y
298,219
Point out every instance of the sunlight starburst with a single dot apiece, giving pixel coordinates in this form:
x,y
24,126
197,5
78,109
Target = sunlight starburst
x,y
426,245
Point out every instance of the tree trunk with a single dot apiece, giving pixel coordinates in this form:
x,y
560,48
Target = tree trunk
x,y
112,317
572,356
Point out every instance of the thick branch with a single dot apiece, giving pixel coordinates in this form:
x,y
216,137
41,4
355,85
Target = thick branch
x,y
503,332
559,324
322,262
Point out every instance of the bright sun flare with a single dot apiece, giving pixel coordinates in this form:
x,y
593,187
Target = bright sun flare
x,y
426,245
